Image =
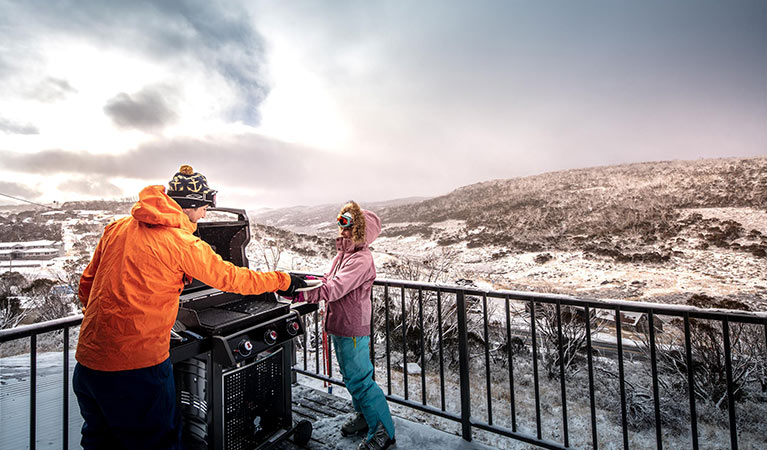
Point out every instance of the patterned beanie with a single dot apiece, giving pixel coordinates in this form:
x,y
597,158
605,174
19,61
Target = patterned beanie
x,y
190,189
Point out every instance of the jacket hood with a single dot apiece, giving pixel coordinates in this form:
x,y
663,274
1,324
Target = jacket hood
x,y
372,230
372,226
154,207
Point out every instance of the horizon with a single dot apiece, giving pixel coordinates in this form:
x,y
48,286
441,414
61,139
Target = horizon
x,y
280,103
261,208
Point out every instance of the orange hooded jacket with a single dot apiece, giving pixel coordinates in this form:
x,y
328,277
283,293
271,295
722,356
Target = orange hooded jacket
x,y
130,290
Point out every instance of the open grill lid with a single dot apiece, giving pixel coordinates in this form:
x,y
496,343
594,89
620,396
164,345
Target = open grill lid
x,y
227,238
207,310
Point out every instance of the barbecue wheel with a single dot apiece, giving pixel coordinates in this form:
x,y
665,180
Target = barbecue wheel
x,y
303,433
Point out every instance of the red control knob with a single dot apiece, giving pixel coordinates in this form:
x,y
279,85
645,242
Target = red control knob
x,y
293,328
245,347
270,337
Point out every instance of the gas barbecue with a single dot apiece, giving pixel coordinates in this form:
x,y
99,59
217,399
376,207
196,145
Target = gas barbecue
x,y
232,356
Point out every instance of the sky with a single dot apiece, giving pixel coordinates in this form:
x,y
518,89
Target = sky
x,y
302,103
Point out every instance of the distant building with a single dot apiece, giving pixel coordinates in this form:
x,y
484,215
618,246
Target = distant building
x,y
31,250
634,321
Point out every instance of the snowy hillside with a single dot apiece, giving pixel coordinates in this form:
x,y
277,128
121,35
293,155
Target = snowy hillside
x,y
652,231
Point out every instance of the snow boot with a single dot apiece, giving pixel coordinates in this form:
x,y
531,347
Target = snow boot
x,y
379,441
354,425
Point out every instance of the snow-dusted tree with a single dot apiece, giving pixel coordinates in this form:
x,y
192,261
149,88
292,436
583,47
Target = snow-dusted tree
x,y
73,270
49,301
11,311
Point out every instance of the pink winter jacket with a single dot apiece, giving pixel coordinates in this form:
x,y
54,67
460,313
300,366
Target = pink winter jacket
x,y
346,287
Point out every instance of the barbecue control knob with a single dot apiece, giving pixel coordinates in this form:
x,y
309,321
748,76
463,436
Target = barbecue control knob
x,y
293,328
270,337
244,347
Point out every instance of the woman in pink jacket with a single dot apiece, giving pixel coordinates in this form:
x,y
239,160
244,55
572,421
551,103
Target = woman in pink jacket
x,y
346,290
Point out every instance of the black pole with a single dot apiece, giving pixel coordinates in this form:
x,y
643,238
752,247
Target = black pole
x,y
65,393
690,382
730,386
463,355
621,381
535,371
655,390
592,405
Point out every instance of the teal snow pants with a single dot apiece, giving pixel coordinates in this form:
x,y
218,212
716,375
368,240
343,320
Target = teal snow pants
x,y
353,355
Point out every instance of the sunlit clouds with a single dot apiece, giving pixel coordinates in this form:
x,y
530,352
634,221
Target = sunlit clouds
x,y
281,104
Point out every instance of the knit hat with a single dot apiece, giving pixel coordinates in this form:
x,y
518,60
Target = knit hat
x,y
190,189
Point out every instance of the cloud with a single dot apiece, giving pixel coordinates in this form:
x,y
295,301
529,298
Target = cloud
x,y
247,160
146,110
250,168
189,36
91,187
51,89
18,190
10,127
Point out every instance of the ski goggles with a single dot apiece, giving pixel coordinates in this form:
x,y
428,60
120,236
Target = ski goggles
x,y
345,220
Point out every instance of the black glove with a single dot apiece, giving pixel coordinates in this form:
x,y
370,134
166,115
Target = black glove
x,y
296,282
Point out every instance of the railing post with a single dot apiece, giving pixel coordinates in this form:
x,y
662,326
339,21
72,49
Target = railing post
x,y
730,386
65,393
463,356
372,334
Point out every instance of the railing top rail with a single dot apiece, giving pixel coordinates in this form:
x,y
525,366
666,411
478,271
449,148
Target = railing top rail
x,y
38,328
758,317
624,305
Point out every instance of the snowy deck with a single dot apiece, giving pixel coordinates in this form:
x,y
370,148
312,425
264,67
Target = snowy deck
x,y
325,411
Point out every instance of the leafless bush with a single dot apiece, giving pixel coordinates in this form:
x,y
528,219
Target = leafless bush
x,y
748,359
573,325
417,305
640,405
11,312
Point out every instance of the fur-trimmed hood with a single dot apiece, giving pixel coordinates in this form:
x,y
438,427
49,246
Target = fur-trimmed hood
x,y
372,226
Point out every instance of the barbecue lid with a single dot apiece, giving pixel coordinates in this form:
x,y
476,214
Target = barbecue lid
x,y
228,233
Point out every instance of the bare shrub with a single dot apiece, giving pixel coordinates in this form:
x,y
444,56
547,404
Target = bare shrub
x,y
422,306
11,311
573,325
640,405
748,353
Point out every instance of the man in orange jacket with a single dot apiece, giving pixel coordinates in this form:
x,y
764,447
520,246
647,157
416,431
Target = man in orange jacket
x,y
130,295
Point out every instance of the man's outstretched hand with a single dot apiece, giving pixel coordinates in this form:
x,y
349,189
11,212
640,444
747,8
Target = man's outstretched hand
x,y
296,282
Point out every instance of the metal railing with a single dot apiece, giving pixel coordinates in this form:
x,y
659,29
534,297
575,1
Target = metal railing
x,y
32,332
397,304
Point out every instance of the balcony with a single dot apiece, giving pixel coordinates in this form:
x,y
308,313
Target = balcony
x,y
500,369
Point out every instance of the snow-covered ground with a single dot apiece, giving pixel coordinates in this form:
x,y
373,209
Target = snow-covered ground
x,y
716,272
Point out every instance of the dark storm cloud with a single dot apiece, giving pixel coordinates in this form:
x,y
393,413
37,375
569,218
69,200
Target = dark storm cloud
x,y
51,89
215,35
18,190
146,110
10,127
99,187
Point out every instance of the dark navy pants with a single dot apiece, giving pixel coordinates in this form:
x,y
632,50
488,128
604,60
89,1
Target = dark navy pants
x,y
129,409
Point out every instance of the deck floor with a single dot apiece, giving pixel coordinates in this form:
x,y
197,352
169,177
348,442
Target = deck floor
x,y
327,412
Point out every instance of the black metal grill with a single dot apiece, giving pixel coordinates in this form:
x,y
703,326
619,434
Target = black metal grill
x,y
233,361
